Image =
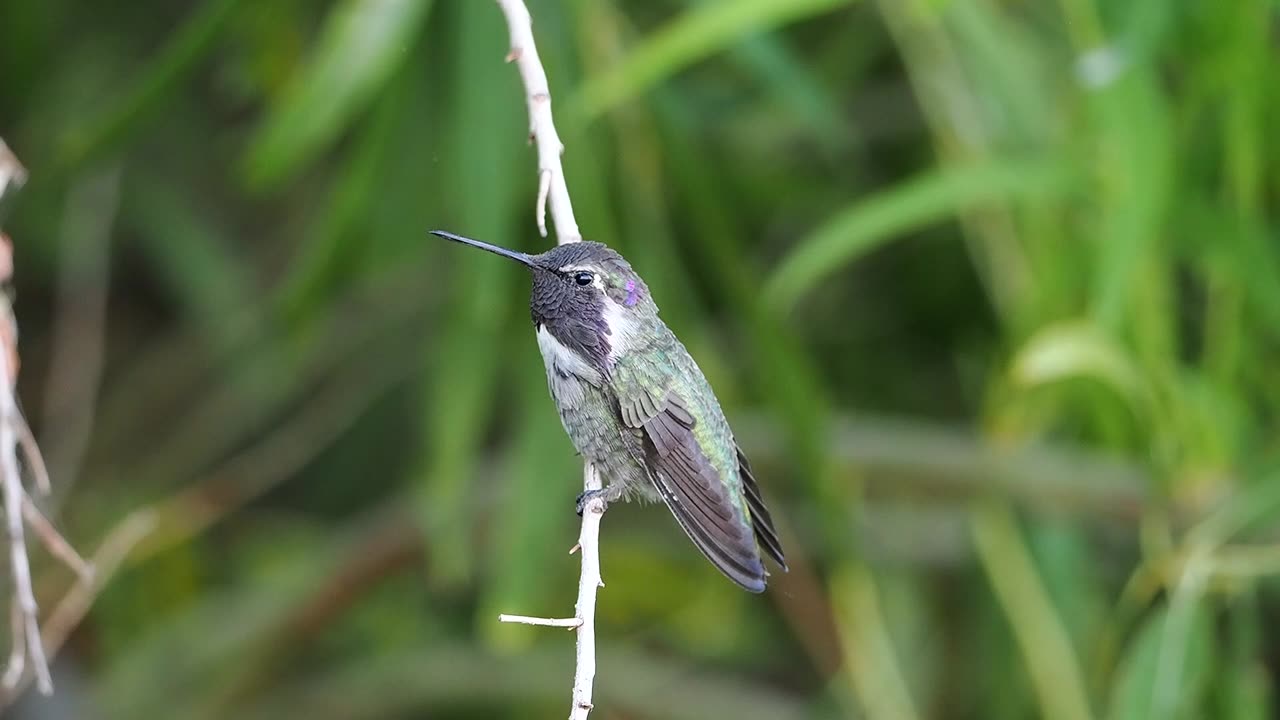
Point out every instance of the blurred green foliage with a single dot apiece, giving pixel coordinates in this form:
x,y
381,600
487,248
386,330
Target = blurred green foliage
x,y
991,291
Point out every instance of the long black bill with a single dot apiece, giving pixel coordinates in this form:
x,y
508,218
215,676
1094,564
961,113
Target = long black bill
x,y
511,254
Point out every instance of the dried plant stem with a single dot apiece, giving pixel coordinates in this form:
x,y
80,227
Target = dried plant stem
x,y
106,560
35,459
24,615
17,662
74,605
28,649
570,623
53,540
14,497
553,194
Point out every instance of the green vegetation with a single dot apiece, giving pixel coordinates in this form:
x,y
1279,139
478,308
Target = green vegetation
x,y
990,290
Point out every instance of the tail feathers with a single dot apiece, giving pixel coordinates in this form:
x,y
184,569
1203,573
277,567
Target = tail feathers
x,y
761,521
738,562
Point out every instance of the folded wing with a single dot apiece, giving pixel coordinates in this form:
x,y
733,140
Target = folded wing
x,y
699,498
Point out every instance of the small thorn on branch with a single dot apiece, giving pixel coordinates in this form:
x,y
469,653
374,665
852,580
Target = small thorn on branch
x,y
513,55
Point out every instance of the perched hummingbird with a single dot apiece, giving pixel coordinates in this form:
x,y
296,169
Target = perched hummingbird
x,y
636,405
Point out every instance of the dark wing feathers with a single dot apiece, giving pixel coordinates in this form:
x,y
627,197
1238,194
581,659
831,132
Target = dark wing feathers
x,y
761,521
697,496
649,405
695,493
629,416
638,409
676,409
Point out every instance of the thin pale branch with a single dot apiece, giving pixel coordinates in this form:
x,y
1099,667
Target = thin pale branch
x,y
24,614
14,494
552,189
553,194
53,540
73,606
28,650
16,665
570,623
35,458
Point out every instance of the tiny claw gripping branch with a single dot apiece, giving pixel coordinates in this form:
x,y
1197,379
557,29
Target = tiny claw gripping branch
x,y
553,195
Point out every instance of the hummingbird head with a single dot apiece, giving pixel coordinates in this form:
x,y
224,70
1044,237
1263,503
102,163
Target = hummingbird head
x,y
585,295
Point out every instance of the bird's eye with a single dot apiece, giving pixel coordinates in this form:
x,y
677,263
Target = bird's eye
x,y
583,278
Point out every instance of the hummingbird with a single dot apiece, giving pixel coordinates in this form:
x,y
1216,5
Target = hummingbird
x,y
636,405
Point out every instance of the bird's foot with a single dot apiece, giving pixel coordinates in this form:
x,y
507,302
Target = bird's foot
x,y
602,494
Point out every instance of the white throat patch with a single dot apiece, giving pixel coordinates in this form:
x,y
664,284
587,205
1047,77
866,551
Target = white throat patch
x,y
560,360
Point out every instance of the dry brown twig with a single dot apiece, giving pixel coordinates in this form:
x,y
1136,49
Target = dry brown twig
x,y
20,510
553,193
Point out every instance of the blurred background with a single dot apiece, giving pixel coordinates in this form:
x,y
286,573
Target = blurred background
x,y
989,289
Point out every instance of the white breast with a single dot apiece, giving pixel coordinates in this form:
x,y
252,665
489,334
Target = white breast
x,y
561,361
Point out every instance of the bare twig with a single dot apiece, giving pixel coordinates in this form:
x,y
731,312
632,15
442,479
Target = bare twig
x,y
553,192
585,608
17,662
14,494
35,458
552,189
73,606
570,623
53,540
156,527
28,648
24,613
113,551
